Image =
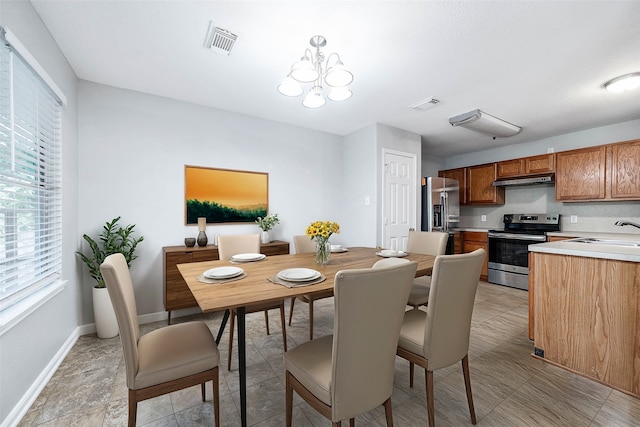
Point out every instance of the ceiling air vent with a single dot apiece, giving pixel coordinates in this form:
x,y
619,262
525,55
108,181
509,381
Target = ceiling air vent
x,y
220,40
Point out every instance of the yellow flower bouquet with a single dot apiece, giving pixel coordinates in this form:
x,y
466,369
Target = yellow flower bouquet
x,y
320,232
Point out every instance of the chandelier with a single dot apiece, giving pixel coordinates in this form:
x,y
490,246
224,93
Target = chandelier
x,y
310,69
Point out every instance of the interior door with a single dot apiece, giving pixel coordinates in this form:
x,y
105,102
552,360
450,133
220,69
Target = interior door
x,y
399,198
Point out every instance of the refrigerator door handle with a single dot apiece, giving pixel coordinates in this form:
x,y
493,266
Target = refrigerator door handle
x,y
444,201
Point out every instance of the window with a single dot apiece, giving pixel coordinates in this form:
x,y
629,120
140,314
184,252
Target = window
x,y
30,177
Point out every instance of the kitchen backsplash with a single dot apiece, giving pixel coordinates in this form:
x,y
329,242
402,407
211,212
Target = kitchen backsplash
x,y
591,216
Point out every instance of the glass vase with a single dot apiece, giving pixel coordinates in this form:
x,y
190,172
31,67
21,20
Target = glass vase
x,y
323,251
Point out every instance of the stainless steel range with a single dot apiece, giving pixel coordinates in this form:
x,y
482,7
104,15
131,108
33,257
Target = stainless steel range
x,y
509,248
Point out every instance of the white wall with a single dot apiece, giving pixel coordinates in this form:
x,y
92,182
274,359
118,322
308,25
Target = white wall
x,y
30,350
133,151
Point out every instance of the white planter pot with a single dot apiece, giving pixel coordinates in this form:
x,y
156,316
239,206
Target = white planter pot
x,y
105,316
264,237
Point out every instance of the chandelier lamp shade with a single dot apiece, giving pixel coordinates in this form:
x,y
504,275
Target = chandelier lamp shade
x,y
312,68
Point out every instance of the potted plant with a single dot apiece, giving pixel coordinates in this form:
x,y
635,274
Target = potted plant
x,y
113,239
266,224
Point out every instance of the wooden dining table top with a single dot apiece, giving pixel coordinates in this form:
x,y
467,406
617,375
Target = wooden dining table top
x,y
256,288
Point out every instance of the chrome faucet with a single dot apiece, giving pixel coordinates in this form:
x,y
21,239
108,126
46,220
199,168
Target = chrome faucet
x,y
621,223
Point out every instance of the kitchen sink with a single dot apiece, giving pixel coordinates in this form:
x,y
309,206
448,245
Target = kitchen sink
x,y
610,242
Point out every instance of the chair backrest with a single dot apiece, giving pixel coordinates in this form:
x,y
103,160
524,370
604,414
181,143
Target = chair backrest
x,y
454,282
229,246
369,309
427,242
116,276
303,244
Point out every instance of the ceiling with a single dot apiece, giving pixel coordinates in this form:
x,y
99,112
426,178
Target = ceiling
x,y
537,64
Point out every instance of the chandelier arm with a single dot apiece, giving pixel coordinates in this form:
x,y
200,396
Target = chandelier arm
x,y
329,58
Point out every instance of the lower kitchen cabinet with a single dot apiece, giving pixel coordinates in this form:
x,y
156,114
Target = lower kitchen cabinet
x,y
472,240
177,295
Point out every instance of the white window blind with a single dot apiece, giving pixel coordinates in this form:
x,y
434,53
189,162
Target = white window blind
x,y
30,180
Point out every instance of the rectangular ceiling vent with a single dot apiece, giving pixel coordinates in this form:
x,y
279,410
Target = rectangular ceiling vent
x,y
220,40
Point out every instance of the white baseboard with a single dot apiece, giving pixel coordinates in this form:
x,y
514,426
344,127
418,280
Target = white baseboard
x,y
19,411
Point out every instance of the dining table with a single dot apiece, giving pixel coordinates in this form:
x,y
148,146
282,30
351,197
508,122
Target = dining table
x,y
255,286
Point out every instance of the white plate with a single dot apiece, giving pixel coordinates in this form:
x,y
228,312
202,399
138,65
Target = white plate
x,y
223,272
337,251
248,257
298,274
391,254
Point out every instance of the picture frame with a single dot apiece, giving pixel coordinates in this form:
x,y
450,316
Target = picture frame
x,y
224,195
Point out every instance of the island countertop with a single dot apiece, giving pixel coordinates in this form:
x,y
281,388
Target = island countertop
x,y
593,250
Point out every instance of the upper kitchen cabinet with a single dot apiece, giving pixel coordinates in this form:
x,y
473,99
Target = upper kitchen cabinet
x,y
480,189
533,165
625,170
580,174
460,175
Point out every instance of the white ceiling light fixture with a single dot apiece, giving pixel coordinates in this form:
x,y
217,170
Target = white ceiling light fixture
x,y
424,104
310,69
623,83
486,124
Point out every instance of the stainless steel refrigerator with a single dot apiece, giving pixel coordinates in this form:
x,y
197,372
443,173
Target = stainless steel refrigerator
x,y
441,206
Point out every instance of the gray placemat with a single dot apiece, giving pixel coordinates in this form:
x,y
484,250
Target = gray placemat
x,y
208,281
279,281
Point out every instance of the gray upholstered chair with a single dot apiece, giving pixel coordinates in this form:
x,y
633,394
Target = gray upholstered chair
x,y
229,246
428,243
303,244
439,337
166,359
351,372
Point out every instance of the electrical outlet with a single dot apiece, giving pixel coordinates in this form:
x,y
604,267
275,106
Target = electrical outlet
x,y
549,150
483,218
574,219
367,201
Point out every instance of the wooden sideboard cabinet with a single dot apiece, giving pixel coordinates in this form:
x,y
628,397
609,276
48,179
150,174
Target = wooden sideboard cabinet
x,y
177,295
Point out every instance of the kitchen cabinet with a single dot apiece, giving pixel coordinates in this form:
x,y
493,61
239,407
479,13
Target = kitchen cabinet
x,y
472,240
532,165
460,175
177,294
586,317
580,174
480,189
624,160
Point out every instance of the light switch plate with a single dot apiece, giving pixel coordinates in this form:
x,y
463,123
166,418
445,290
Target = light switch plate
x,y
483,218
574,219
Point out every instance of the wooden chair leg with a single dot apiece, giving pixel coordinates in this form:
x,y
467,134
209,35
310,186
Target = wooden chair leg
x,y
430,408
216,397
387,412
310,319
467,385
293,302
133,408
232,321
283,322
411,369
266,320
288,400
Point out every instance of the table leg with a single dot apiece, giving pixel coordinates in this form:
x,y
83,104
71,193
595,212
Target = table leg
x,y
242,366
222,325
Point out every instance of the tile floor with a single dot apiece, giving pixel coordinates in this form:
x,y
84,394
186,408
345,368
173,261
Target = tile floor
x,y
510,387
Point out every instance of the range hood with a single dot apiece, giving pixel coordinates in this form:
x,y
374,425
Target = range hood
x,y
525,180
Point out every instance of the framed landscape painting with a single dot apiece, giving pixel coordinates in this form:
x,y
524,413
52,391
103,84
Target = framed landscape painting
x,y
223,195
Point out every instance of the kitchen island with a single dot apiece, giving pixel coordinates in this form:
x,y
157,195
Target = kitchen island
x,y
585,309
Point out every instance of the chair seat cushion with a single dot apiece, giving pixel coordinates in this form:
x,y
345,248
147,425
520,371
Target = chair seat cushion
x,y
412,332
420,291
310,364
175,351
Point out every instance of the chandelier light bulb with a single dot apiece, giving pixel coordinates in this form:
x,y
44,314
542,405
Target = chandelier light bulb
x,y
339,94
313,67
290,87
314,98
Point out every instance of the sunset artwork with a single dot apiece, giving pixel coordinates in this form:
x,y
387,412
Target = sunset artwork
x,y
223,195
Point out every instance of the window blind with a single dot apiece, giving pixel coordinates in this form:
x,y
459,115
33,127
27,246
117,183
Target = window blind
x,y
30,180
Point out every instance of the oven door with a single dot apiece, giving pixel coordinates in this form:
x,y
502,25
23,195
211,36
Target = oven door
x,y
509,258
